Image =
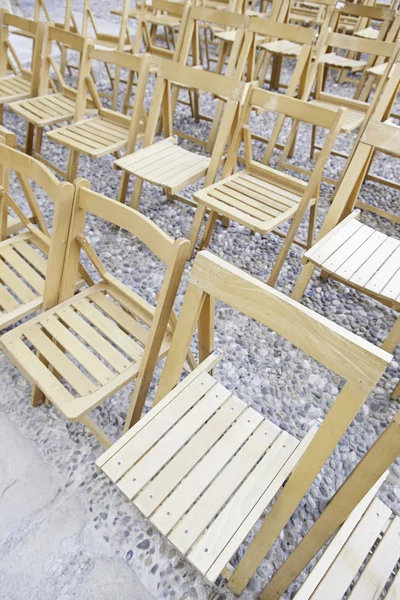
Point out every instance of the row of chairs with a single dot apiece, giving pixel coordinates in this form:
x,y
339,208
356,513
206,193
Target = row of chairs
x,y
202,465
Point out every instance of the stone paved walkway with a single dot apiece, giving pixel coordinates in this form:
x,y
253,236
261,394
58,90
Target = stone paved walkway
x,y
49,549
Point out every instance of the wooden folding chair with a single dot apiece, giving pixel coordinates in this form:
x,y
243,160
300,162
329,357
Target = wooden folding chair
x,y
202,465
14,225
284,41
146,39
359,104
48,109
373,22
124,336
122,42
108,131
259,196
22,82
165,163
310,14
350,252
366,537
29,274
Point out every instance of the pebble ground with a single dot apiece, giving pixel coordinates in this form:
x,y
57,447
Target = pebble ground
x,y
266,371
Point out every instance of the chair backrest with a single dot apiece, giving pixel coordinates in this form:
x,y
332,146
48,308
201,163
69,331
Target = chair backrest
x,y
358,362
8,55
144,36
296,110
69,22
173,253
365,14
199,17
54,36
170,74
375,49
282,31
139,65
27,169
349,502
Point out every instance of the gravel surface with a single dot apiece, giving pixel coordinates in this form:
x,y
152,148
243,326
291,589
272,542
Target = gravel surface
x,y
264,370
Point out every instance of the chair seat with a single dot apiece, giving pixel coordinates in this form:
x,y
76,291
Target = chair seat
x,y
22,276
94,137
45,110
362,257
282,47
89,372
165,164
368,33
14,87
378,70
254,200
369,542
342,62
353,118
202,466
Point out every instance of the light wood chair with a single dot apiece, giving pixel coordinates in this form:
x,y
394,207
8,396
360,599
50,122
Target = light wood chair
x,y
47,108
165,163
364,20
202,465
348,251
121,42
124,336
284,41
146,38
366,537
109,131
261,197
29,261
22,82
14,225
328,59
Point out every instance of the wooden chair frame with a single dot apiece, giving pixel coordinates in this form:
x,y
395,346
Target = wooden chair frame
x,y
50,108
236,40
376,49
362,15
212,279
257,211
168,76
24,83
377,137
125,314
283,41
146,34
121,42
29,281
361,485
356,108
108,131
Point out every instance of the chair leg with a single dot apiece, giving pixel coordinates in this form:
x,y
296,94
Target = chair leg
x,y
393,338
72,168
38,141
311,225
302,281
196,226
205,240
123,187
30,132
1,113
313,139
396,392
136,193
287,242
